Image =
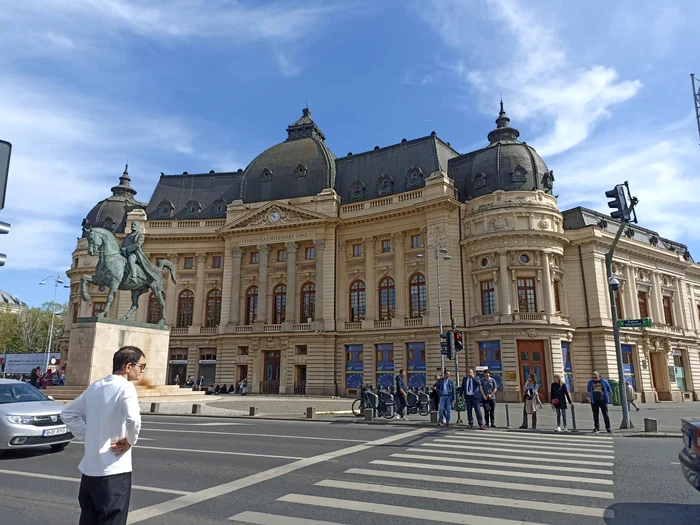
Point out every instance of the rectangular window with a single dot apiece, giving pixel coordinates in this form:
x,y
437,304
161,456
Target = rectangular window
x,y
557,299
353,366
490,356
216,261
527,302
310,253
385,365
301,349
618,304
357,250
416,365
189,263
668,310
643,308
242,350
255,258
488,298
97,308
415,241
281,255
386,245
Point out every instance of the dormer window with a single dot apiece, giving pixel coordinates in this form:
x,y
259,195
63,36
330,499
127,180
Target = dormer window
x,y
166,209
220,207
266,174
301,170
357,190
385,185
414,178
193,208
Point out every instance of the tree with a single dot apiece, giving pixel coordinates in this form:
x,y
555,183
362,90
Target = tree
x,y
31,329
8,326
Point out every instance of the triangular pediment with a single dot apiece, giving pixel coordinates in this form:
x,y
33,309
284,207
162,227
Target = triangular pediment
x,y
273,215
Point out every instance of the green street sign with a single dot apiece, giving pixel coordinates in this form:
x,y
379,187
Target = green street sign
x,y
635,323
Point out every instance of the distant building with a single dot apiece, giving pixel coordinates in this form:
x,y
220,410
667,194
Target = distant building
x,y
9,302
307,273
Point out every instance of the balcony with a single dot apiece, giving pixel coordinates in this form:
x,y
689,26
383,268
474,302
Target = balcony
x,y
166,225
271,328
382,324
485,319
529,317
244,329
354,325
669,329
209,330
413,322
179,331
371,206
302,327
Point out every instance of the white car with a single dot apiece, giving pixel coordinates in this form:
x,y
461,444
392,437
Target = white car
x,y
30,419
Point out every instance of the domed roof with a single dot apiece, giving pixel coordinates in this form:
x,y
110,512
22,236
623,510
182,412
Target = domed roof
x,y
110,213
507,164
301,166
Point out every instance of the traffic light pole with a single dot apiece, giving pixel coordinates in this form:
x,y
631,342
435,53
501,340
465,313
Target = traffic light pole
x,y
437,262
456,353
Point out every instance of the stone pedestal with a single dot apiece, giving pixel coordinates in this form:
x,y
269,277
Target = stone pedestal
x,y
94,340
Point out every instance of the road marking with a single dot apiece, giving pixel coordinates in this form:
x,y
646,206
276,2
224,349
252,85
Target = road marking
x,y
311,438
560,461
223,452
481,483
491,472
152,511
675,462
518,439
223,423
522,452
77,480
496,444
403,512
470,498
557,435
511,464
259,518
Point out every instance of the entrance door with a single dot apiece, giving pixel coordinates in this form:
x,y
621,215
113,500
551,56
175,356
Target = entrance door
x,y
680,371
658,367
531,361
300,380
271,373
242,373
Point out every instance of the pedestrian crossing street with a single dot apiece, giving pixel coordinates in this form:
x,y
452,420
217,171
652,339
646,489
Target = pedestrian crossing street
x,y
494,477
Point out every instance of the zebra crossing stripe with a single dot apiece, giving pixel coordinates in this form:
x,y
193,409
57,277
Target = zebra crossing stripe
x,y
260,518
521,452
482,436
471,498
499,444
402,512
559,461
557,435
527,487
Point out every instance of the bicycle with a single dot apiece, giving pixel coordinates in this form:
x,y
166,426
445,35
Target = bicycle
x,y
382,404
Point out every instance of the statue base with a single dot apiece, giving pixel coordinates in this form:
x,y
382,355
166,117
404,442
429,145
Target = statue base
x,y
94,340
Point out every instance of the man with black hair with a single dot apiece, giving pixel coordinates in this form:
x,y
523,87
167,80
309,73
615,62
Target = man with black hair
x,y
108,419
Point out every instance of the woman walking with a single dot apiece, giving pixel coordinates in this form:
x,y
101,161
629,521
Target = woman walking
x,y
532,401
434,396
560,395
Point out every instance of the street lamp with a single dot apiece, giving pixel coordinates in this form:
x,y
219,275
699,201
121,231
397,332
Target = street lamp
x,y
57,280
440,249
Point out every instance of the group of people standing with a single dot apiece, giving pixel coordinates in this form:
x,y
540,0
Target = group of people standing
x,y
480,392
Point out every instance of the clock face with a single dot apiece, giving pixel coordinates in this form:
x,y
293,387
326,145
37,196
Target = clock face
x,y
274,216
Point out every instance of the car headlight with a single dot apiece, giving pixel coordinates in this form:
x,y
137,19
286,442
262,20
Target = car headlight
x,y
20,420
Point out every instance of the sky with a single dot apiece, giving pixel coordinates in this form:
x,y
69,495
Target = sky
x,y
603,93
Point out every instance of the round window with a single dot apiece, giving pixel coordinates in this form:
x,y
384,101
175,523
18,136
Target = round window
x,y
524,258
484,262
385,184
193,209
356,189
414,177
219,207
165,210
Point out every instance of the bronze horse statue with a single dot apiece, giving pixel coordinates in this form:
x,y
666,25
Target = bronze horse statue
x,y
112,271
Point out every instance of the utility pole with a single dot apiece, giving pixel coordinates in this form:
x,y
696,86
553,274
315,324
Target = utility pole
x,y
454,328
696,100
5,153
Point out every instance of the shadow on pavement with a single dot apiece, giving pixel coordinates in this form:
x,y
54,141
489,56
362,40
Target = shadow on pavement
x,y
642,513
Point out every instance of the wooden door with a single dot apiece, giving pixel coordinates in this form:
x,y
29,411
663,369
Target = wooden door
x,y
531,360
271,372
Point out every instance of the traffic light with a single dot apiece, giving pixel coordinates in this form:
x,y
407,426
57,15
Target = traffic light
x,y
618,203
459,341
5,152
446,344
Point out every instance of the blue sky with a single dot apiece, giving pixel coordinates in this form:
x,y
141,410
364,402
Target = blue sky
x,y
603,93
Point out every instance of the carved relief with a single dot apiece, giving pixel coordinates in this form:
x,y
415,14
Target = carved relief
x,y
484,333
370,242
532,332
320,244
480,180
500,224
237,251
264,249
399,238
291,247
543,224
548,179
518,174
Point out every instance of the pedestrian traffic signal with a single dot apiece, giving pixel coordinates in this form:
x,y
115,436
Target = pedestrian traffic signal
x,y
446,344
459,342
618,203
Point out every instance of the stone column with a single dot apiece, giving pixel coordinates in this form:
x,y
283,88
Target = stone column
x,y
236,254
171,294
264,250
631,294
678,306
504,284
370,278
399,239
657,310
344,293
320,246
547,285
291,309
199,291
694,314
472,292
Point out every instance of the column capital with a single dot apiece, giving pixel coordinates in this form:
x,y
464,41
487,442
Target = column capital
x,y
320,244
370,242
263,248
342,245
291,247
399,237
237,251
201,257
174,257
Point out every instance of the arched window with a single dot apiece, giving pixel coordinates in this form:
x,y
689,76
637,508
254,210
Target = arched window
x,y
251,304
417,296
154,311
279,303
387,299
308,302
213,312
185,308
358,301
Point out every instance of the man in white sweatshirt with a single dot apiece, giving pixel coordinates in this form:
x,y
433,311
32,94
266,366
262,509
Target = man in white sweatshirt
x,y
107,417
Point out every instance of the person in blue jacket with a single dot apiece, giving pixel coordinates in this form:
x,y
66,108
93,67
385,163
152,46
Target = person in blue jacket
x,y
599,391
446,390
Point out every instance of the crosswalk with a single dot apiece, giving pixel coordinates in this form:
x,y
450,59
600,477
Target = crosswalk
x,y
494,477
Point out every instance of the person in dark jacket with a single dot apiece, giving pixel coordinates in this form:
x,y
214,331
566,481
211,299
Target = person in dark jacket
x,y
560,395
401,395
471,392
599,391
434,396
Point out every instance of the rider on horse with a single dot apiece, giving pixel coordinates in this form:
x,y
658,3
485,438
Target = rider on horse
x,y
131,249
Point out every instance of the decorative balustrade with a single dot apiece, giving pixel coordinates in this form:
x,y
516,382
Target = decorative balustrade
x,y
272,328
179,331
414,322
244,329
302,327
353,326
382,324
209,330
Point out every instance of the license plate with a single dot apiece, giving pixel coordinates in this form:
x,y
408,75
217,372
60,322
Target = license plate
x,y
54,431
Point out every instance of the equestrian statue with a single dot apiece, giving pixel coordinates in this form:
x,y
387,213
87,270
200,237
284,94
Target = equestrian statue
x,y
124,268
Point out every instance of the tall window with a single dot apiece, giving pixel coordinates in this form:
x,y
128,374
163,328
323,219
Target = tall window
x,y
418,302
358,301
668,311
281,255
357,250
643,304
279,303
251,304
488,298
97,308
618,304
386,245
415,241
154,311
185,308
387,299
213,312
308,302
216,261
189,263
255,258
557,298
310,253
526,295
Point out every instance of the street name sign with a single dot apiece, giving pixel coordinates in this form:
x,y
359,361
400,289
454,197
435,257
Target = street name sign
x,y
635,323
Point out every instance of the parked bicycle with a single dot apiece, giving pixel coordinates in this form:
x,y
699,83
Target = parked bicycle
x,y
382,403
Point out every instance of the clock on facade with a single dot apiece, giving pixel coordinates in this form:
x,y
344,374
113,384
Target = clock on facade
x,y
274,216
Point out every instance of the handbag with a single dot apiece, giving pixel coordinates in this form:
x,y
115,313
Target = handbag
x,y
460,405
555,401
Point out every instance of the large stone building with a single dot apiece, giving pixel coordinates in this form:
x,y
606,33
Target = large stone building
x,y
308,273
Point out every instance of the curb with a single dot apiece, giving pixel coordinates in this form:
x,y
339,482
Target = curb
x,y
654,435
250,418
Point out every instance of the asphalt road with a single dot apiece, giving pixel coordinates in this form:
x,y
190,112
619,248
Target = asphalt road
x,y
212,471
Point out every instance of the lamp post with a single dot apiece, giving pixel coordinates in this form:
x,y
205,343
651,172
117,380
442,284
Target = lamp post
x,y
440,249
57,280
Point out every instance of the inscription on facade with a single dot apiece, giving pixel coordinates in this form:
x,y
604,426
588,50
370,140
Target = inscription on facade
x,y
267,239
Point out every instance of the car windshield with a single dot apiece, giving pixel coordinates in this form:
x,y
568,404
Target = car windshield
x,y
19,393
